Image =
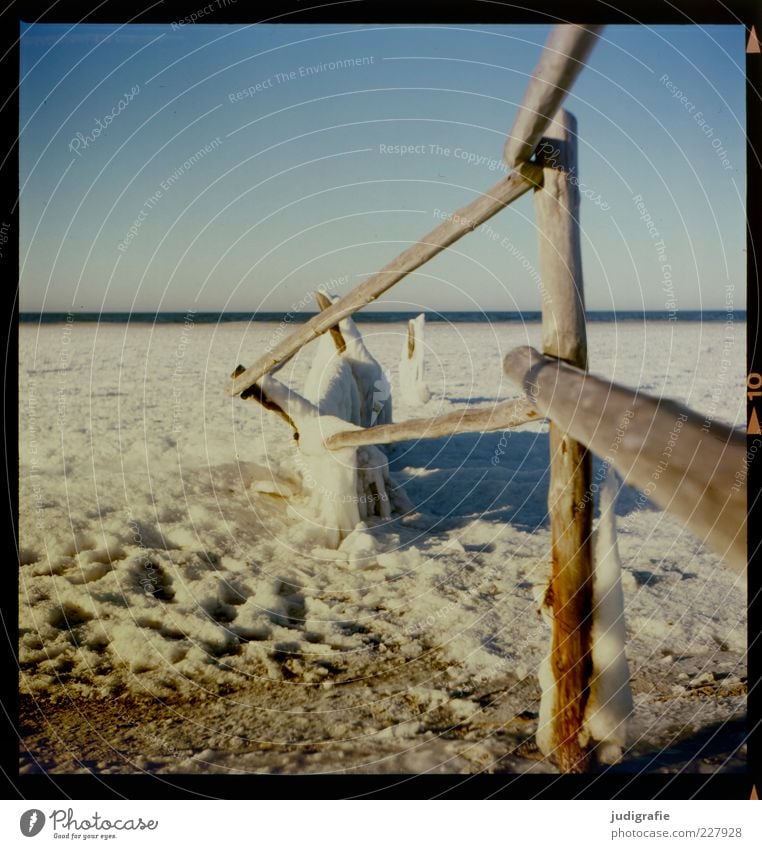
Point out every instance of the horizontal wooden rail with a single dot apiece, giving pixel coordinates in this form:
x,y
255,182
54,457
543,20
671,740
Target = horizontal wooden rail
x,y
526,177
561,61
503,415
687,465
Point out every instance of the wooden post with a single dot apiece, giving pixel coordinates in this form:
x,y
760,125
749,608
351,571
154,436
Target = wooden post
x,y
323,302
564,337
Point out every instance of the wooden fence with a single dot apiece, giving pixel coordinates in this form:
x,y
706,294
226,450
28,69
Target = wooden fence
x,y
703,482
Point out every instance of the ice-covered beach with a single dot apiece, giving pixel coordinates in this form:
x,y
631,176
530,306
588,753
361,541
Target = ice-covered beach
x,y
180,612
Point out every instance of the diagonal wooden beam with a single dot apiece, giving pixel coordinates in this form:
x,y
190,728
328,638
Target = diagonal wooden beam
x,y
503,415
563,57
463,221
256,393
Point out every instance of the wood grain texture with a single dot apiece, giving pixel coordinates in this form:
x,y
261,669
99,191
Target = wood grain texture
x,y
563,57
691,467
503,415
564,337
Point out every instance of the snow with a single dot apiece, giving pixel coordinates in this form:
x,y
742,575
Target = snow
x,y
162,558
331,480
412,381
331,385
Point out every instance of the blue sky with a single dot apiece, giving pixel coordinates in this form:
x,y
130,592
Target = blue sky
x,y
296,182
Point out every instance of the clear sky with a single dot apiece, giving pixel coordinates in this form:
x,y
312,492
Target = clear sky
x,y
253,163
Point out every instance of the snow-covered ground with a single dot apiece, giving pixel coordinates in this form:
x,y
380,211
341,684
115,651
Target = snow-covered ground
x,y
163,576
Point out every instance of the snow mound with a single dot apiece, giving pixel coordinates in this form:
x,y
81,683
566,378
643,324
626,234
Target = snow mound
x,y
331,385
373,384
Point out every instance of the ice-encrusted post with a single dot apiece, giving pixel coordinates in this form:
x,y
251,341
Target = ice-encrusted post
x,y
568,670
412,383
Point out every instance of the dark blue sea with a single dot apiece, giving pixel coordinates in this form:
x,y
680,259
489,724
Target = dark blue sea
x,y
453,317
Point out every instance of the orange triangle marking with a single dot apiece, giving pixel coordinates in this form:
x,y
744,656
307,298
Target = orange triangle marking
x,y
754,793
754,427
752,45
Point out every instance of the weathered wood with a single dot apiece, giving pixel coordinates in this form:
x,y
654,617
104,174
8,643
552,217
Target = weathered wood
x,y
463,221
561,61
410,339
503,415
690,467
282,400
256,393
564,337
323,302
557,205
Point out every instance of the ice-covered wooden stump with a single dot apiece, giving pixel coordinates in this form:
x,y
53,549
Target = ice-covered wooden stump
x,y
413,386
347,485
366,399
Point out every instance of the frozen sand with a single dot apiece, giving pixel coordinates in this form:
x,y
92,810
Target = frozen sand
x,y
158,580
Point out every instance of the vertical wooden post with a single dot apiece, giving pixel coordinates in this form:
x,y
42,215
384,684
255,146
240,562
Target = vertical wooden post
x,y
564,337
323,302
